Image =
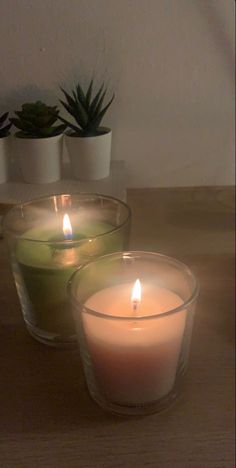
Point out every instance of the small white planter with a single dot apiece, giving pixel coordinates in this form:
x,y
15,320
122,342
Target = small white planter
x,y
90,157
5,144
40,158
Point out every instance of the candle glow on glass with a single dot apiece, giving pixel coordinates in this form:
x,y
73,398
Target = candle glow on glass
x,y
67,228
136,294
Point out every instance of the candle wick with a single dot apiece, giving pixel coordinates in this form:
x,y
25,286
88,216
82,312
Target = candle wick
x,y
135,306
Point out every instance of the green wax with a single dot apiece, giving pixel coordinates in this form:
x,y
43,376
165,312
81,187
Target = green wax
x,y
46,269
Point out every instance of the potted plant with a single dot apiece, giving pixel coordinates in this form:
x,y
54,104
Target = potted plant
x,y
88,144
4,147
39,142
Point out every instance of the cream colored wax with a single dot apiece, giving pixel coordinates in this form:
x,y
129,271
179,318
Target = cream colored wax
x,y
135,361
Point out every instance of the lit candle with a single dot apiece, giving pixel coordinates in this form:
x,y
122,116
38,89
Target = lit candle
x,y
134,348
67,255
136,294
67,228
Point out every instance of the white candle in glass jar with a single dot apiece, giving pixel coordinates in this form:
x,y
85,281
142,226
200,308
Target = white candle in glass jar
x,y
134,359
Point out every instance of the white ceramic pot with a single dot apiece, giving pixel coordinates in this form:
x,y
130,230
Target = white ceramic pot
x,y
40,158
90,157
5,144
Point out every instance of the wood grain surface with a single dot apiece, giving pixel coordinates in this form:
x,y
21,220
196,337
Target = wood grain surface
x,y
46,416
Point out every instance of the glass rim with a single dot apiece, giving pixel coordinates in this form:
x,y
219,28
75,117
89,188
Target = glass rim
x,y
66,241
134,253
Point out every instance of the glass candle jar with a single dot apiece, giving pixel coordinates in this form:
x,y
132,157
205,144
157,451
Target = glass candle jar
x,y
134,315
48,239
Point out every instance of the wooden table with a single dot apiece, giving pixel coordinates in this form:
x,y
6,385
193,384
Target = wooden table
x,y
46,416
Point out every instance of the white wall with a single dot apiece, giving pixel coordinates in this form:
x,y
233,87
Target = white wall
x,y
170,63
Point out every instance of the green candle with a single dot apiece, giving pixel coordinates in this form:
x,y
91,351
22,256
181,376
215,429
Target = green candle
x,y
45,268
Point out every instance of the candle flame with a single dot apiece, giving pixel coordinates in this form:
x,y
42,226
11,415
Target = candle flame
x,y
136,294
67,229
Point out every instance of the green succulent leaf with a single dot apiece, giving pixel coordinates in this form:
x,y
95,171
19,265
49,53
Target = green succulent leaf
x,y
95,101
3,118
98,118
86,108
70,125
47,132
17,123
81,116
74,95
19,114
73,112
67,107
4,131
78,112
59,129
99,105
36,119
80,95
89,94
70,100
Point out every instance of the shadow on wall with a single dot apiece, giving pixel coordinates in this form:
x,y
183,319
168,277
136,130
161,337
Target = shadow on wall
x,y
14,99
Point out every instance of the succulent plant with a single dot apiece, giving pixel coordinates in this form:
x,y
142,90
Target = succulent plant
x,y
87,109
4,131
36,119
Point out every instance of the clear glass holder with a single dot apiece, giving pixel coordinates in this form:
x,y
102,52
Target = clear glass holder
x,y
44,256
134,349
